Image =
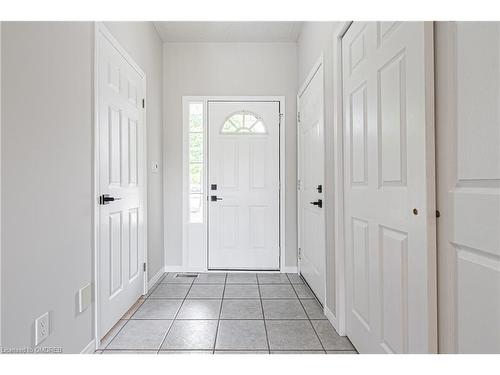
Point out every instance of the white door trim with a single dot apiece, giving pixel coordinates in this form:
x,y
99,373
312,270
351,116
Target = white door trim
x,y
100,31
185,205
0,184
317,65
338,181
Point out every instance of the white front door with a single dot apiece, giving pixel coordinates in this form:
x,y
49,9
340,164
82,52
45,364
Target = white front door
x,y
389,187
311,157
121,136
468,166
243,190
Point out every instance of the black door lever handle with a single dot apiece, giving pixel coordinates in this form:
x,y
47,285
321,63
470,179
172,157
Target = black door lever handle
x,y
106,198
215,198
318,203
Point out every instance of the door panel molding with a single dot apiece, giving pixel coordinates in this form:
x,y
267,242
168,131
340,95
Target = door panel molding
x,y
129,174
468,188
311,153
371,68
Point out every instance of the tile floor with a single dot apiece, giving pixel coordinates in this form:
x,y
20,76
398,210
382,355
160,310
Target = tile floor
x,y
226,313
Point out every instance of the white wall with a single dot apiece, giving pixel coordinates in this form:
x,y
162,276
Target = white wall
x,y
315,39
46,181
46,173
142,42
225,69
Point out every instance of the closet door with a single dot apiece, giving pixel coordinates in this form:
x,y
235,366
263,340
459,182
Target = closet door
x,y
468,180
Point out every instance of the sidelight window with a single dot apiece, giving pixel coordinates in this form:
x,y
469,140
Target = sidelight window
x,y
196,162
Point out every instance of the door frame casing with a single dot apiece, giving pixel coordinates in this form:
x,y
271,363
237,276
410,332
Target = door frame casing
x,y
338,126
338,181
101,31
206,164
319,64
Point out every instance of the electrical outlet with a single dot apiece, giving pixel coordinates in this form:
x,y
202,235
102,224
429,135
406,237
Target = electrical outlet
x,y
42,328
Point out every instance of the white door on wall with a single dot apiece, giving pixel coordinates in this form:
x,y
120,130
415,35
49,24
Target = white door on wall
x,y
243,190
121,136
312,258
389,187
468,171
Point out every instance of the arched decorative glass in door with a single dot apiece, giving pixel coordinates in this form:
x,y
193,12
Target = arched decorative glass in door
x,y
243,123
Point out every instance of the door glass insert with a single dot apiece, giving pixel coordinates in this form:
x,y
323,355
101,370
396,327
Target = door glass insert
x,y
196,162
243,123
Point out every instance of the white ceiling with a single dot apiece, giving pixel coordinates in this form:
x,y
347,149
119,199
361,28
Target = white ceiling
x,y
171,31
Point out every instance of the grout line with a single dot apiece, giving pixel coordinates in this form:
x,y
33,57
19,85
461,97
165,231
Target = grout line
x,y
158,283
263,316
203,319
150,292
127,320
162,277
116,334
173,320
138,307
128,350
306,285
312,326
220,312
233,298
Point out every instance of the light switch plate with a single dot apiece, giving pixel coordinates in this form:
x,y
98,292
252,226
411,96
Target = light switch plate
x,y
154,167
84,298
42,328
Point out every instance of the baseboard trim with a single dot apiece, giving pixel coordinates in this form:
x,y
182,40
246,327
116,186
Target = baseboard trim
x,y
156,277
184,269
333,320
90,348
292,269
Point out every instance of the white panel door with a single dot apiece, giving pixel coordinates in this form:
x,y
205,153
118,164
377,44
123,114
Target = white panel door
x,y
389,187
312,257
121,137
468,156
243,188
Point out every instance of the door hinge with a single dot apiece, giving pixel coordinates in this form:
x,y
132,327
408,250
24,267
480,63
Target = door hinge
x,y
298,118
280,116
144,266
298,184
300,254
143,103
